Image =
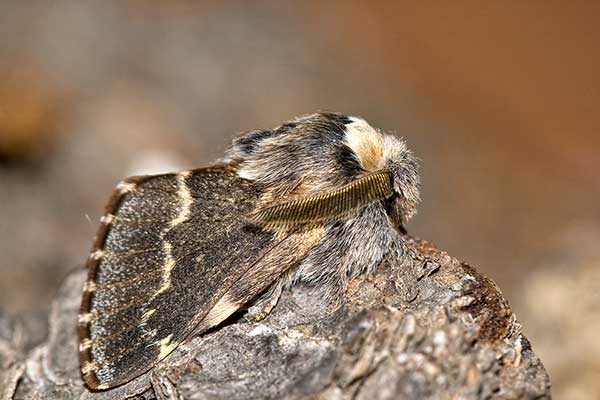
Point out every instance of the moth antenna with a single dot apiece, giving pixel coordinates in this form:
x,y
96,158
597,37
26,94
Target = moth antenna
x,y
327,206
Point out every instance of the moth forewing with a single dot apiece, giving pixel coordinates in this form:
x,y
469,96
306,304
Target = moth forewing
x,y
173,247
282,257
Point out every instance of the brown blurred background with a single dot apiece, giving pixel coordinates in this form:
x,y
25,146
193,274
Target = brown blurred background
x,y
498,100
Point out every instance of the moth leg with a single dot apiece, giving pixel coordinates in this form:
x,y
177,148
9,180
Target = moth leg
x,y
265,303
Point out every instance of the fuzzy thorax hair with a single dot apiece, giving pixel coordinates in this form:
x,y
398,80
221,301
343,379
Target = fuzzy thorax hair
x,y
358,185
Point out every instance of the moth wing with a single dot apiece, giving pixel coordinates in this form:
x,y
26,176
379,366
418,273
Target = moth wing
x,y
168,249
281,258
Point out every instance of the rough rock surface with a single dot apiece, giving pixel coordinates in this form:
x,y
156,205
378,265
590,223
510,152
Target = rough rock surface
x,y
425,326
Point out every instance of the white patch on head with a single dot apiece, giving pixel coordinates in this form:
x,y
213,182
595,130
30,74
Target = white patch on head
x,y
125,187
185,197
366,143
165,346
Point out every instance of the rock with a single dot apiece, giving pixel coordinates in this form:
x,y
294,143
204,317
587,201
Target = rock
x,y
11,366
424,326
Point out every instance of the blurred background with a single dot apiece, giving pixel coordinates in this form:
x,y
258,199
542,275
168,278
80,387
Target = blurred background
x,y
500,102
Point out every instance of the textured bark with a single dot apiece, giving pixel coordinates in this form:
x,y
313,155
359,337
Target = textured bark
x,y
424,326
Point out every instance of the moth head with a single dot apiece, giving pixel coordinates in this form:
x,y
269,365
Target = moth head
x,y
377,151
325,166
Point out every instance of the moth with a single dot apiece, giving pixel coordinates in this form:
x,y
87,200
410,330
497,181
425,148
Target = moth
x,y
315,201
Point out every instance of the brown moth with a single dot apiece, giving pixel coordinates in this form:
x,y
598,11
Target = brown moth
x,y
315,201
